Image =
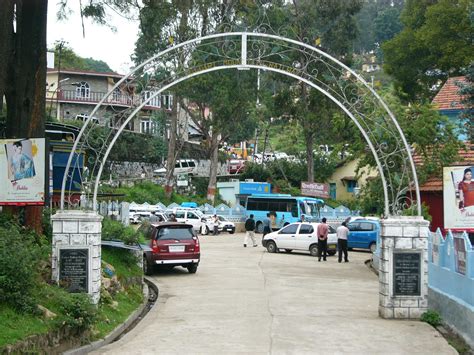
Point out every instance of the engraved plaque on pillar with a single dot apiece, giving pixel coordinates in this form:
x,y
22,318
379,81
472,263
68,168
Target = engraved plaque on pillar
x,y
74,269
406,274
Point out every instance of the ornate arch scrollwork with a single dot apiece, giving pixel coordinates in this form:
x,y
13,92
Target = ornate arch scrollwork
x,y
245,50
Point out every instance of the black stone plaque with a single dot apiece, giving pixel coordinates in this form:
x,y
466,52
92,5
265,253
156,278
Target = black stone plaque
x,y
74,269
406,274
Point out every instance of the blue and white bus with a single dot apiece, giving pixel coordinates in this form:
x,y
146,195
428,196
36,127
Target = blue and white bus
x,y
287,208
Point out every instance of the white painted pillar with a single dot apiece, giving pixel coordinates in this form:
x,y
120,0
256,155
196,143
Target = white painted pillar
x,y
403,270
76,261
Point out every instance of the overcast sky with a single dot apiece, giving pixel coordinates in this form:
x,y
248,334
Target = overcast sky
x,y
100,42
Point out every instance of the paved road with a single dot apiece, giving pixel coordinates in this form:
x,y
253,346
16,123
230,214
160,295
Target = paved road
x,y
245,300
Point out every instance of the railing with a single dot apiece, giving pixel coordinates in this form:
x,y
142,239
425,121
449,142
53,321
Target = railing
x,y
115,99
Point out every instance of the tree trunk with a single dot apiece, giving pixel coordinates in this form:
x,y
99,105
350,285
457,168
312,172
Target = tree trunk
x,y
6,34
26,90
214,150
309,141
171,160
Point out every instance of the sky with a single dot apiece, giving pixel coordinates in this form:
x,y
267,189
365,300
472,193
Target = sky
x,y
100,42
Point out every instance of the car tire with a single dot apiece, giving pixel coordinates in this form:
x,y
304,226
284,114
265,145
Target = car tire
x,y
372,247
288,250
332,252
259,228
313,250
231,232
271,247
147,267
192,268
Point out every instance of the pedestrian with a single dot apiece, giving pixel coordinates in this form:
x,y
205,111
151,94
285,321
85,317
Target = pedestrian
x,y
322,232
342,232
266,225
250,231
173,218
215,221
302,218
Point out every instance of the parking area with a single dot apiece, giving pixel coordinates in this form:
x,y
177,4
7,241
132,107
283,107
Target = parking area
x,y
246,300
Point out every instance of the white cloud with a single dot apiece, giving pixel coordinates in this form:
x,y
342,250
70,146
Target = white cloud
x,y
100,42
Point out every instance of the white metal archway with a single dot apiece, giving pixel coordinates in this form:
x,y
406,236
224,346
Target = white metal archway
x,y
245,50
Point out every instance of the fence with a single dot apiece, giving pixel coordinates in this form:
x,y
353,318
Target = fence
x,y
120,211
451,281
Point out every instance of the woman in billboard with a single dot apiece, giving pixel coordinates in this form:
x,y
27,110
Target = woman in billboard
x,y
466,190
20,164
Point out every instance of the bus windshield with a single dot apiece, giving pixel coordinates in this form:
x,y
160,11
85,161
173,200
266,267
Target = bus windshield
x,y
312,208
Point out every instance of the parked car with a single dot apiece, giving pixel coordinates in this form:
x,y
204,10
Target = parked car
x,y
171,244
182,166
191,216
236,166
299,236
224,225
137,217
363,233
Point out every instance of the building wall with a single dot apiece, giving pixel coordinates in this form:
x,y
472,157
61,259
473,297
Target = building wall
x,y
349,169
228,190
434,200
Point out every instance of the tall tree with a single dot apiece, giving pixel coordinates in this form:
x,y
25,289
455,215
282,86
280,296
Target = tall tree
x,y
436,42
23,75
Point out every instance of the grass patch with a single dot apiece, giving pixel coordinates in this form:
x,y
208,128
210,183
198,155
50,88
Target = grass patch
x,y
15,326
110,317
124,262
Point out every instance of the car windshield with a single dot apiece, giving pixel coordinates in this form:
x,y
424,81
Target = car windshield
x,y
312,209
176,232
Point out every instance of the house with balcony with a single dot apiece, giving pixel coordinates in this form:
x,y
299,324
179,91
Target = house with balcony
x,y
73,94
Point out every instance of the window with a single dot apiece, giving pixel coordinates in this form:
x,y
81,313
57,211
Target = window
x,y
366,226
177,165
192,216
184,164
332,190
180,214
306,229
147,126
353,226
351,184
291,229
177,232
155,101
167,101
192,164
82,90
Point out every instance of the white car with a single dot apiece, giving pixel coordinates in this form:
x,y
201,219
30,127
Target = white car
x,y
182,166
299,236
191,216
224,225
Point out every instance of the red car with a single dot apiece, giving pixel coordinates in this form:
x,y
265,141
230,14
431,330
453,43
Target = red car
x,y
171,244
236,166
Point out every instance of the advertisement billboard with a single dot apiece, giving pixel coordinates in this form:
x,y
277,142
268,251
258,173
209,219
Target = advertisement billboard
x,y
458,197
22,174
255,188
315,189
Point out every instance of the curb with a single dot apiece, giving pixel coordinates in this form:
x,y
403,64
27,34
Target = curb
x,y
120,329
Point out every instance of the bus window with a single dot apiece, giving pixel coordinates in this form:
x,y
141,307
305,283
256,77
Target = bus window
x,y
294,210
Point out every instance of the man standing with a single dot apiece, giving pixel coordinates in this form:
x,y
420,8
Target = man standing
x,y
342,233
266,225
215,221
322,233
250,231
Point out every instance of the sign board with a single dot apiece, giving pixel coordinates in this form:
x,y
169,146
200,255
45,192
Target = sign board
x,y
74,269
22,174
459,255
406,274
182,180
458,197
315,189
249,188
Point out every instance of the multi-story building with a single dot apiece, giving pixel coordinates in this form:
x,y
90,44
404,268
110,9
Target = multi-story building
x,y
73,94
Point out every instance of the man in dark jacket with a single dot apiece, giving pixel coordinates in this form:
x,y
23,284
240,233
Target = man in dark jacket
x,y
250,231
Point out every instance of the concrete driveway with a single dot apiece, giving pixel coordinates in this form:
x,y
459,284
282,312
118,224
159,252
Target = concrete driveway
x,y
245,300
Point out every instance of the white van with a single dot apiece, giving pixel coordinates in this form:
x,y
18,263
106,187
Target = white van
x,y
191,216
182,166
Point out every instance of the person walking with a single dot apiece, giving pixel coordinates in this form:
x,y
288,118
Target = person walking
x,y
250,231
342,232
322,233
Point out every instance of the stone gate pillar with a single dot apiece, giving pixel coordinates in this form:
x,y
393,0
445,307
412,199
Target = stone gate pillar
x,y
76,260
403,270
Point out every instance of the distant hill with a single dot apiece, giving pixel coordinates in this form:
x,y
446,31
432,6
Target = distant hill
x,y
70,60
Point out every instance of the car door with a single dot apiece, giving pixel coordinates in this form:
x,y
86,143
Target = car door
x,y
354,237
368,234
286,237
193,219
305,237
180,216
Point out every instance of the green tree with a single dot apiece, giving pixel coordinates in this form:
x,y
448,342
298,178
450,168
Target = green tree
x,y
436,42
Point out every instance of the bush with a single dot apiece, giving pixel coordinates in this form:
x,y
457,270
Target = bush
x,y
78,312
19,258
431,317
114,230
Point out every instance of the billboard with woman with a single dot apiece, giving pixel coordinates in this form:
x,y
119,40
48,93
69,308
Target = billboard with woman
x,y
458,196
